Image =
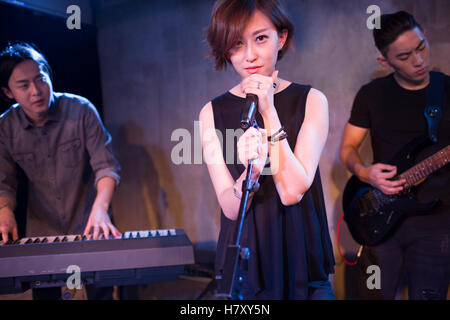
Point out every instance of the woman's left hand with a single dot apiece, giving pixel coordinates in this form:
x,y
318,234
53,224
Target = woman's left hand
x,y
263,87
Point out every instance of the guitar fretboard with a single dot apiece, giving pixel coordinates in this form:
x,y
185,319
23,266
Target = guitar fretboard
x,y
426,167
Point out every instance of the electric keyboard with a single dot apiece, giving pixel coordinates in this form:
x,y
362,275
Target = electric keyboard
x,y
137,257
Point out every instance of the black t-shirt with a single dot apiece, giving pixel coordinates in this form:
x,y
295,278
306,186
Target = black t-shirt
x,y
395,116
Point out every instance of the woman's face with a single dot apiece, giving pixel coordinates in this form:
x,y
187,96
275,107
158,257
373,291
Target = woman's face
x,y
257,50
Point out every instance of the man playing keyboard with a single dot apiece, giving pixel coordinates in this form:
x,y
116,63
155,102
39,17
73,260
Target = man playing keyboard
x,y
60,143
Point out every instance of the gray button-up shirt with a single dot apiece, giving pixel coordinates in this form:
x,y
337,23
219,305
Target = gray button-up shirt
x,y
63,161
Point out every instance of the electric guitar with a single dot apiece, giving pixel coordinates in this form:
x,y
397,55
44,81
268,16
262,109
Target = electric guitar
x,y
371,215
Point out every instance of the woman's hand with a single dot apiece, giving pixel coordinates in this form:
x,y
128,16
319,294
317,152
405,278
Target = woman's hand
x,y
253,145
263,87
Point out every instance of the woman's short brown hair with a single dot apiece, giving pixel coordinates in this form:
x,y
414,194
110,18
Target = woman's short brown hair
x,y
229,18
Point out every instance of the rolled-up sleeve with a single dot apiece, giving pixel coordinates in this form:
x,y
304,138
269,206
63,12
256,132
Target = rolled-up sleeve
x,y
99,147
8,173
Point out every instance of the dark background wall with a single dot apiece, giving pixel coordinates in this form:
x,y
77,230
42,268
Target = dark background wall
x,y
154,77
72,54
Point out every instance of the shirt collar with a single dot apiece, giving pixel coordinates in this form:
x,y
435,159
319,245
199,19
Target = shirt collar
x,y
54,112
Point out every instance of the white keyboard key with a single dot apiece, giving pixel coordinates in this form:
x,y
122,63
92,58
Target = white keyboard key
x,y
163,232
143,234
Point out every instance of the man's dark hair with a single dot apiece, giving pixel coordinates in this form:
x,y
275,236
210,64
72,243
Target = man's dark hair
x,y
392,26
14,54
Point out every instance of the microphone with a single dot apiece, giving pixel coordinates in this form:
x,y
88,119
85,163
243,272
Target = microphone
x,y
248,113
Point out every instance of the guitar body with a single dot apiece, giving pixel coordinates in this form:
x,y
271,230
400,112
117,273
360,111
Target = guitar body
x,y
373,216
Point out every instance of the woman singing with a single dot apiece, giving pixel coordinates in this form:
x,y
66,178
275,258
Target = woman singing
x,y
285,227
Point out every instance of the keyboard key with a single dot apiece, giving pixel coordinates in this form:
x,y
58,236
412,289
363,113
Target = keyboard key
x,y
144,234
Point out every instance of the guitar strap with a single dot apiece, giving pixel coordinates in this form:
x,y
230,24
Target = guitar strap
x,y
433,109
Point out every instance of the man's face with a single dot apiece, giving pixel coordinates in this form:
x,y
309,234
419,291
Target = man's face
x,y
31,87
409,57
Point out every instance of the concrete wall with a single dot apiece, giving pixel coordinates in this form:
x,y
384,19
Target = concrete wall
x,y
156,78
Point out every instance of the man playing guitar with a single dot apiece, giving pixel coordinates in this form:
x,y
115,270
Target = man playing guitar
x,y
392,110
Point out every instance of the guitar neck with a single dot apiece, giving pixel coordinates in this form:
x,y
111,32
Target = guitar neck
x,y
426,167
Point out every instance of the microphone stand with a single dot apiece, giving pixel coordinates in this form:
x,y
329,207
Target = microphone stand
x,y
229,284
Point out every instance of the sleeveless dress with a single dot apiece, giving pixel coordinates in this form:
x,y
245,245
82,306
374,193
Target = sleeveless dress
x,y
290,246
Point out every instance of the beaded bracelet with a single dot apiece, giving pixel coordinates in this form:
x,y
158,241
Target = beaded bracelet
x,y
269,138
277,136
